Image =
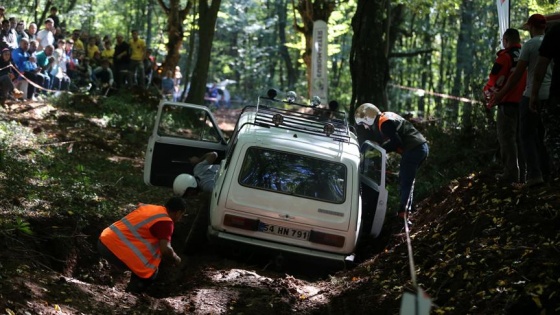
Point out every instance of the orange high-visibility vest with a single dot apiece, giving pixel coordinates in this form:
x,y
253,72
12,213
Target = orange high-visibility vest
x,y
131,241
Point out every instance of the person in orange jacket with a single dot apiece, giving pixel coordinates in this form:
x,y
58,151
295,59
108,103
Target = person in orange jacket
x,y
508,107
395,134
138,241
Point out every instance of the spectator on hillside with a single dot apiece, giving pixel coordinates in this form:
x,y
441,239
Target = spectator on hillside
x,y
103,75
531,129
84,37
92,48
31,31
508,108
33,44
168,85
149,63
21,57
96,60
45,60
2,13
46,35
85,72
549,51
7,75
20,31
7,38
59,33
67,46
78,44
13,24
108,51
121,60
54,16
136,72
59,78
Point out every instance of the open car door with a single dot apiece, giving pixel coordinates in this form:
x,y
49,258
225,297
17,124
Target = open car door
x,y
373,190
181,131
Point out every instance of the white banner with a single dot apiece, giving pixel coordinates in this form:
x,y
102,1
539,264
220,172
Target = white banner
x,y
319,77
503,16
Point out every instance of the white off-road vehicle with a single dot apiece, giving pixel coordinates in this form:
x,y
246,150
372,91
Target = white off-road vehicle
x,y
293,177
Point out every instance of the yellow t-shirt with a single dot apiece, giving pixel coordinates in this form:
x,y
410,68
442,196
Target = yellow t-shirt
x,y
91,50
138,49
79,45
108,54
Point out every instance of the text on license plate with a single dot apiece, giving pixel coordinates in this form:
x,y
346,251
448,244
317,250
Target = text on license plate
x,y
283,231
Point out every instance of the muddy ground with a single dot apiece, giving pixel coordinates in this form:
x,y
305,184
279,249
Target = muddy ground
x,y
479,247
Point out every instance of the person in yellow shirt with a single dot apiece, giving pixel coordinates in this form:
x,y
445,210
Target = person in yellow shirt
x,y
137,53
92,47
108,51
78,44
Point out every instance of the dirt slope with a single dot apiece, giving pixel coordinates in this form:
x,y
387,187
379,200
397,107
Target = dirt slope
x,y
479,248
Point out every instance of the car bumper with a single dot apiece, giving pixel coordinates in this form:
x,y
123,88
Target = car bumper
x,y
278,246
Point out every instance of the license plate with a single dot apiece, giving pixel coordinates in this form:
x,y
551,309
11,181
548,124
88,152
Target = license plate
x,y
283,231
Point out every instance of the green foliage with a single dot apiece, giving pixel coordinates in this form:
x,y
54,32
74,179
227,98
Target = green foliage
x,y
93,175
454,153
18,225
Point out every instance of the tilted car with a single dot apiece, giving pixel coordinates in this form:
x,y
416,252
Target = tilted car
x,y
293,177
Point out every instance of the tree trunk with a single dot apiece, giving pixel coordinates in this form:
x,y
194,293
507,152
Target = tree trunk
x,y
291,74
175,32
189,59
310,12
464,56
368,60
207,23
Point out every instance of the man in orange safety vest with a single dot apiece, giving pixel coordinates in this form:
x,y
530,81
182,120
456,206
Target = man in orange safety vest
x,y
138,241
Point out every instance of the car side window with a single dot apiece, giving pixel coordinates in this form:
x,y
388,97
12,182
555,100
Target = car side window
x,y
187,123
372,164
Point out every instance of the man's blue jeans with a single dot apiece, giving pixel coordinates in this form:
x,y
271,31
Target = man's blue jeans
x,y
410,161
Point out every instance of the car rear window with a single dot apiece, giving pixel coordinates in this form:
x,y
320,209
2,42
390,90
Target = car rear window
x,y
294,174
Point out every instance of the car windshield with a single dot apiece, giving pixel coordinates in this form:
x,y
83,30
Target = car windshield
x,y
294,174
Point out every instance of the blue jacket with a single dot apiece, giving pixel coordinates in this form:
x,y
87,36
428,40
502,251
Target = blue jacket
x,y
19,58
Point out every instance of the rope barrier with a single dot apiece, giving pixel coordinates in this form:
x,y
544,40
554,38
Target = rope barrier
x,y
422,91
21,75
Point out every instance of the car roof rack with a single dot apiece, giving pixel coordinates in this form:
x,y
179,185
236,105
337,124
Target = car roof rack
x,y
287,114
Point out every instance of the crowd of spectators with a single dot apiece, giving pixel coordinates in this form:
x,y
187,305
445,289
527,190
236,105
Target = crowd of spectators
x,y
49,58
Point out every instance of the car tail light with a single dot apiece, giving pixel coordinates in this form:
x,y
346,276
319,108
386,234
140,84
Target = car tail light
x,y
240,222
326,239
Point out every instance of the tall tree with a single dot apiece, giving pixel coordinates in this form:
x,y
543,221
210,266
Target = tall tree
x,y
368,57
208,13
176,15
291,72
464,63
311,11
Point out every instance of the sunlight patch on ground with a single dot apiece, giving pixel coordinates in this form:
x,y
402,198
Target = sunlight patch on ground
x,y
214,301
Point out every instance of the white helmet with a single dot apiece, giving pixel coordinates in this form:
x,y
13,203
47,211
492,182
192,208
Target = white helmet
x,y
182,183
365,114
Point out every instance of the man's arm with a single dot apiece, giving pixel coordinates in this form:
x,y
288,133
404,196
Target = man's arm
x,y
512,81
499,71
168,252
538,77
